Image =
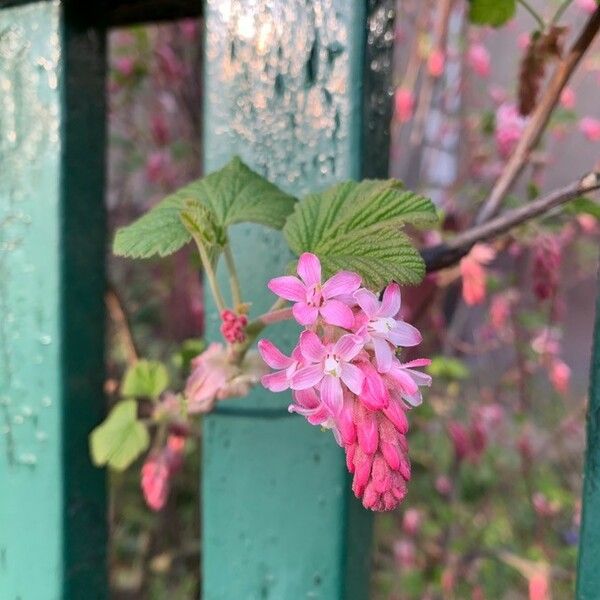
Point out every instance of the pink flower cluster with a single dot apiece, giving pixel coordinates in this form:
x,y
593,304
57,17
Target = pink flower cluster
x,y
345,375
233,326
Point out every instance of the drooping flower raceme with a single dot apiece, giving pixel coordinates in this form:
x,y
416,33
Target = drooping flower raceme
x,y
345,375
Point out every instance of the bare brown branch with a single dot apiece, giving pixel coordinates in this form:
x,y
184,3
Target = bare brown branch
x,y
449,253
539,119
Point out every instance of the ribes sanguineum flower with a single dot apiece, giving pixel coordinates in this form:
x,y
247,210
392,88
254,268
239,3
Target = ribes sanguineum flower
x,y
312,298
381,327
345,376
328,367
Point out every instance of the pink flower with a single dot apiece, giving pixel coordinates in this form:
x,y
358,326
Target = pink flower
x,y
328,367
509,128
567,98
590,128
479,59
500,308
313,298
404,102
404,381
285,366
460,439
214,378
546,266
382,330
436,62
473,273
588,6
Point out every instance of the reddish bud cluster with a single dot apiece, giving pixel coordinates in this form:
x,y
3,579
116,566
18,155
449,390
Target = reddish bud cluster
x,y
233,326
546,265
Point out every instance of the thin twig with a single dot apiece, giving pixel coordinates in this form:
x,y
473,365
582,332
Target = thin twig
x,y
118,316
533,13
539,120
449,253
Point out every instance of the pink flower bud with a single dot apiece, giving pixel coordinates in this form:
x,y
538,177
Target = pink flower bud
x,y
412,521
125,66
155,481
588,6
590,127
404,103
567,98
460,439
436,62
560,376
405,554
444,485
479,59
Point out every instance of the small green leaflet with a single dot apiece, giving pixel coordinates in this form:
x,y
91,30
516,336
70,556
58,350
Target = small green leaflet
x,y
357,227
120,439
491,12
445,367
145,379
233,194
584,206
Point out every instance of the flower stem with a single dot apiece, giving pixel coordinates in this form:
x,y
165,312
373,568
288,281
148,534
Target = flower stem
x,y
560,11
234,282
210,275
533,13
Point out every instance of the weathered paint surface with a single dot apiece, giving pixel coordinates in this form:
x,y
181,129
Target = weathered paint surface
x,y
283,90
588,576
51,332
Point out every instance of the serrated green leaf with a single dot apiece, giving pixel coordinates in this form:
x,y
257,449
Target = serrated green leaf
x,y
145,379
234,194
491,12
120,439
357,226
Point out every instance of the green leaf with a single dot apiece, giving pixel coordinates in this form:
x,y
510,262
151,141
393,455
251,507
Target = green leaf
x,y
233,194
491,12
585,206
445,367
357,226
145,379
120,439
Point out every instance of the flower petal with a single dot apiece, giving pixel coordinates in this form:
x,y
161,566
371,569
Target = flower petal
x,y
390,305
337,313
344,282
331,393
276,382
404,335
274,357
307,398
288,287
305,314
368,301
417,362
353,377
383,354
311,347
309,269
348,346
306,377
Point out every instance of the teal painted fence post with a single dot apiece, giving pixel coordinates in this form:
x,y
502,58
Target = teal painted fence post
x,y
52,501
284,90
588,571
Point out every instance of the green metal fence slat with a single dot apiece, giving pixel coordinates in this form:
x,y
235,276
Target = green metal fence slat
x,y
588,571
52,504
